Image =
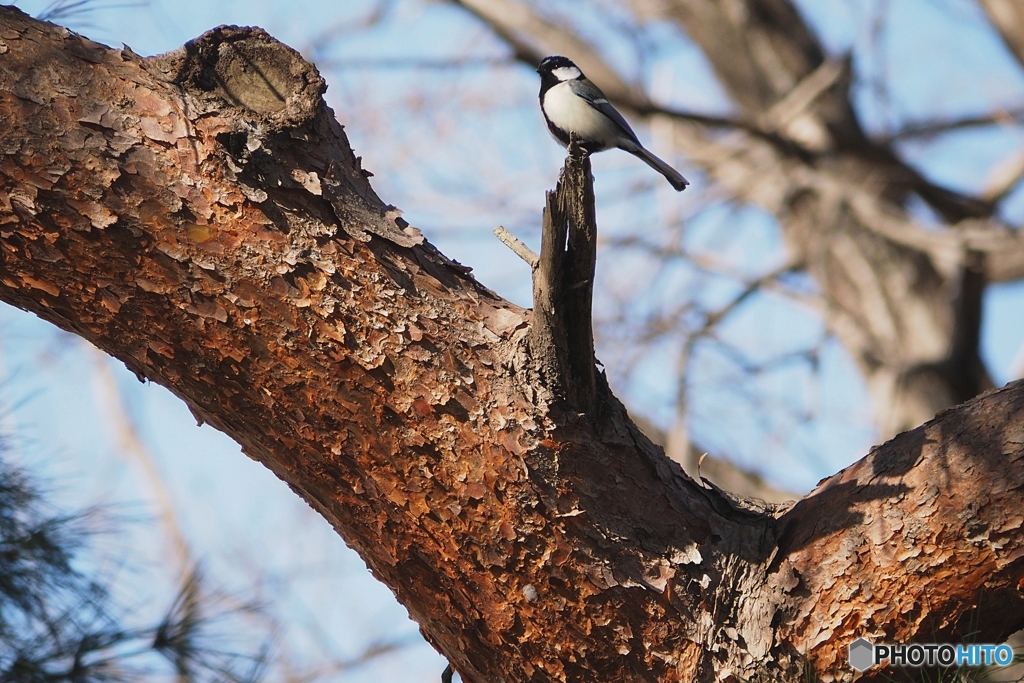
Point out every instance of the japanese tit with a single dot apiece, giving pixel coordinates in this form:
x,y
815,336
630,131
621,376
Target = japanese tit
x,y
572,104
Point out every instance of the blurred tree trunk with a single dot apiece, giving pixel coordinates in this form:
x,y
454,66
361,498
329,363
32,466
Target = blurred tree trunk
x,y
1007,16
904,299
200,216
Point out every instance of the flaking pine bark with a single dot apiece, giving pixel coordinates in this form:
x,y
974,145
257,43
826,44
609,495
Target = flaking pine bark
x,y
200,216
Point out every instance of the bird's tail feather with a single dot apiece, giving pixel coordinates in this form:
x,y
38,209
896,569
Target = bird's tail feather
x,y
674,177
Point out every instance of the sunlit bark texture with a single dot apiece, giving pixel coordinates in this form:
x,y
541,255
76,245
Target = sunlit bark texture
x,y
200,216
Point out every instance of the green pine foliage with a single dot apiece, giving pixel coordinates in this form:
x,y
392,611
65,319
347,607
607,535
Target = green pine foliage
x,y
58,625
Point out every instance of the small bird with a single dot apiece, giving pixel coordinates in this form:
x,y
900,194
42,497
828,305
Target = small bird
x,y
572,104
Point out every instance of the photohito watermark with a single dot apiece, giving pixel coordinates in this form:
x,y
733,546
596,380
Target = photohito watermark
x,y
864,654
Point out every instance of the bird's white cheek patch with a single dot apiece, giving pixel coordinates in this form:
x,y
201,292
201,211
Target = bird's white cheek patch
x,y
566,73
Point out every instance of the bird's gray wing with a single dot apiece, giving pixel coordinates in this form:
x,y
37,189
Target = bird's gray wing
x,y
593,96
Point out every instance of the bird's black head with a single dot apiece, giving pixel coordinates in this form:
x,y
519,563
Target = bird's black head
x,y
556,69
549,64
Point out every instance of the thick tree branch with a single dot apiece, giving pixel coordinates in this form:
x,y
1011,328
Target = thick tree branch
x,y
201,217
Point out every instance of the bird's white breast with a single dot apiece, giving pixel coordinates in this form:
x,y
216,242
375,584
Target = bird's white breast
x,y
572,114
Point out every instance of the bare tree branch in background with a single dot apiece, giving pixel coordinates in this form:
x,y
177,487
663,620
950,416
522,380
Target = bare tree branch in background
x,y
933,128
904,299
1007,16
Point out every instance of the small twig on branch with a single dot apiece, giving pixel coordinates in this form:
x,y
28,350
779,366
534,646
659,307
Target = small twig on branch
x,y
517,246
1010,116
803,95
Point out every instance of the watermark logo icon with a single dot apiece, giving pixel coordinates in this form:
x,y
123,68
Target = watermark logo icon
x,y
863,654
